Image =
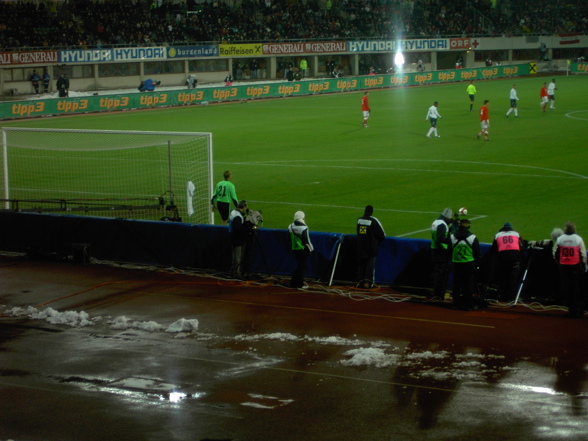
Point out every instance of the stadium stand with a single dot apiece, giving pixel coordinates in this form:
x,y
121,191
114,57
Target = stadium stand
x,y
95,24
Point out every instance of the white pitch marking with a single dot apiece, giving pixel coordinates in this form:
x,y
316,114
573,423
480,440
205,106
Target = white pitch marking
x,y
303,163
568,115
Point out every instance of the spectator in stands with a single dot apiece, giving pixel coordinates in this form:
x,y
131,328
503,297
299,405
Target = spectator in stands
x,y
303,67
35,81
46,80
62,85
254,69
192,81
148,85
107,23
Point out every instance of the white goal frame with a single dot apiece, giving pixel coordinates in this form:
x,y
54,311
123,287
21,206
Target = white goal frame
x,y
182,165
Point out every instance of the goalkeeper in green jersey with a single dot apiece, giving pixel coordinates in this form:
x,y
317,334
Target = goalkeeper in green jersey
x,y
224,194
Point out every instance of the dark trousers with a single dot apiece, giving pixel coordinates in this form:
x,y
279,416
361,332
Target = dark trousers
x,y
297,280
464,284
236,261
441,265
507,276
571,295
366,270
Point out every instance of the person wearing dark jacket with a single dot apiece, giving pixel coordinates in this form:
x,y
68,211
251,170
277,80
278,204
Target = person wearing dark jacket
x,y
370,234
46,81
301,247
465,255
62,86
507,251
440,254
237,237
35,81
570,254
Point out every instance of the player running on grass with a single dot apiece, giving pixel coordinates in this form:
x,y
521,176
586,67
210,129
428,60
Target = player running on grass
x,y
484,121
513,102
365,108
432,116
551,93
544,97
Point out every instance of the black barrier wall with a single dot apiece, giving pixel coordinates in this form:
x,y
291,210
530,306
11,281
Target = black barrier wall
x,y
401,262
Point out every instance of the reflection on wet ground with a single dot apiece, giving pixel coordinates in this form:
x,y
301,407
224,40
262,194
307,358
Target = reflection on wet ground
x,y
202,360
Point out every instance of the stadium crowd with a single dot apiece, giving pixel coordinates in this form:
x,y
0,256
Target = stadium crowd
x,y
87,23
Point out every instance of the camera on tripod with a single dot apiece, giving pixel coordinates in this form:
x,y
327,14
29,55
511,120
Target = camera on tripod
x,y
455,221
253,220
171,211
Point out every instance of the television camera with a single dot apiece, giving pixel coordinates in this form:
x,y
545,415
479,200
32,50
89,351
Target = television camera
x,y
456,219
253,221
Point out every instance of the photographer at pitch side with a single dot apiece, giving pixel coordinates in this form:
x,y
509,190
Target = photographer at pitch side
x,y
301,247
370,234
237,236
465,255
570,253
440,254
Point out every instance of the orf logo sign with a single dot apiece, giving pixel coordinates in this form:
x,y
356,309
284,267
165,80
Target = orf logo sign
x,y
459,43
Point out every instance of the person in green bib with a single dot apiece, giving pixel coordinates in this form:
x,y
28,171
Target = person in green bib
x,y
465,255
440,253
301,247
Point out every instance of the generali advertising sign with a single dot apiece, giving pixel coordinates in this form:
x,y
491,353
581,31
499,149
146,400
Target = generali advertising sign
x,y
30,57
316,47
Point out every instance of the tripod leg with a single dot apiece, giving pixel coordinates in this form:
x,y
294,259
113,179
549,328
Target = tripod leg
x,y
521,286
258,242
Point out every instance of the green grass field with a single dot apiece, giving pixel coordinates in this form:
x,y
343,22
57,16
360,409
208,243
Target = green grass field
x,y
312,154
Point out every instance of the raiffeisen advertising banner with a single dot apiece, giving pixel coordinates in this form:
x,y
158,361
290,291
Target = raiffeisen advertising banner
x,y
240,50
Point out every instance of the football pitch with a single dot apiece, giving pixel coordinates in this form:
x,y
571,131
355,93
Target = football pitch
x,y
312,154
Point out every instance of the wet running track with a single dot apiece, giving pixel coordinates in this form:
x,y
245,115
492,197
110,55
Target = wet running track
x,y
174,356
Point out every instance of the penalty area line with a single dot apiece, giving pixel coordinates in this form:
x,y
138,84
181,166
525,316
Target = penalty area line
x,y
569,115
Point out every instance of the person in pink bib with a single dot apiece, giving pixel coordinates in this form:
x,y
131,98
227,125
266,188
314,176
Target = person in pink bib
x,y
570,254
507,248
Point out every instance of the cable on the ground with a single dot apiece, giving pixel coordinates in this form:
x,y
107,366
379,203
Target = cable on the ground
x,y
354,293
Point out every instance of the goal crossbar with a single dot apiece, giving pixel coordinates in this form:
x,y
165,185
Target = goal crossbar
x,y
69,164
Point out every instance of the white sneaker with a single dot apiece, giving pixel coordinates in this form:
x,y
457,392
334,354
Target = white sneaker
x,y
437,136
427,136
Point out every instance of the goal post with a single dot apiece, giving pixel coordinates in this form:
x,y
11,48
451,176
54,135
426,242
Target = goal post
x,y
173,169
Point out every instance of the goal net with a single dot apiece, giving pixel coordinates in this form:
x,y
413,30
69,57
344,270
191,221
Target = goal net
x,y
108,173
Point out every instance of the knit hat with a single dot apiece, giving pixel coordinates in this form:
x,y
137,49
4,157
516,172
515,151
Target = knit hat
x,y
447,213
507,225
299,215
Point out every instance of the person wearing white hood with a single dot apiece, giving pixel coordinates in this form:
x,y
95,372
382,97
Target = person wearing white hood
x,y
301,247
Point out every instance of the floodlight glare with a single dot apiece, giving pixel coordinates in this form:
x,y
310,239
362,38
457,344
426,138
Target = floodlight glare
x,y
399,59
